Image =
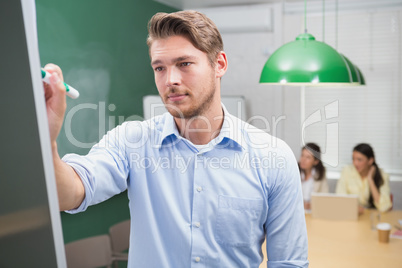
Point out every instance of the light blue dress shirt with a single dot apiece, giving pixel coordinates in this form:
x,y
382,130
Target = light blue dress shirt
x,y
211,207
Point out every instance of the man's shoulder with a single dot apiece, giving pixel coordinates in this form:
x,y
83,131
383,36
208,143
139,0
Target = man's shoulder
x,y
153,124
141,132
259,139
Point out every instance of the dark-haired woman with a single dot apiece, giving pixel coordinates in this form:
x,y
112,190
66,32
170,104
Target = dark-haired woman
x,y
312,173
365,179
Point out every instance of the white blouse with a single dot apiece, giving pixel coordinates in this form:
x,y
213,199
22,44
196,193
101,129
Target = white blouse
x,y
307,185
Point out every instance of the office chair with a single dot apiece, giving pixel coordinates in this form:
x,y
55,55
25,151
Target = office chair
x,y
89,252
120,241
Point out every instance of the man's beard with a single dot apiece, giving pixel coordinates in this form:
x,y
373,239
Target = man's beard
x,y
196,109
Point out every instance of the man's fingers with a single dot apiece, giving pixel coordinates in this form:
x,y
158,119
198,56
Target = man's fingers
x,y
56,85
55,92
54,78
51,68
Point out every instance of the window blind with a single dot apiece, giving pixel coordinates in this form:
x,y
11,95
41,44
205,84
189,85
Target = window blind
x,y
371,113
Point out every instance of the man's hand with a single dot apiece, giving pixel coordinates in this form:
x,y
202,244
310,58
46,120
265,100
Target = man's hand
x,y
55,95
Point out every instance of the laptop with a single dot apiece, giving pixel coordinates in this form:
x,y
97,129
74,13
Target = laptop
x,y
329,206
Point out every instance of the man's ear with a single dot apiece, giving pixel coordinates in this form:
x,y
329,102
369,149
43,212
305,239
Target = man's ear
x,y
221,64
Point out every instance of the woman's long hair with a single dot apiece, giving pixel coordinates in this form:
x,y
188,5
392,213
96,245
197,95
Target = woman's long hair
x,y
319,168
366,149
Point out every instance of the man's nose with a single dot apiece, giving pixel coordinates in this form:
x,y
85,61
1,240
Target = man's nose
x,y
173,77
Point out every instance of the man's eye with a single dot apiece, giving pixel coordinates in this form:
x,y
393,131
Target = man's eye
x,y
185,63
158,69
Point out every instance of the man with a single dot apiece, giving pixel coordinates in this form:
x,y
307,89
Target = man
x,y
205,188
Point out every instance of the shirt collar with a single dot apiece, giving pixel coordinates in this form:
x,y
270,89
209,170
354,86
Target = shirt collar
x,y
231,129
169,128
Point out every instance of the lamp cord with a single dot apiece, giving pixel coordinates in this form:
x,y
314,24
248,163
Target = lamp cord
x,y
305,20
336,25
323,21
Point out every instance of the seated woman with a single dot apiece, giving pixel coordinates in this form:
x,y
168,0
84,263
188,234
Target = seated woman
x,y
365,179
312,173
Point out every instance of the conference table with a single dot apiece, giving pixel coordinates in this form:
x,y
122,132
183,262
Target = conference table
x,y
351,243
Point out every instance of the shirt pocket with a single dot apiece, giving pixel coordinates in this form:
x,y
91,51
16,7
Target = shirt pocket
x,y
237,221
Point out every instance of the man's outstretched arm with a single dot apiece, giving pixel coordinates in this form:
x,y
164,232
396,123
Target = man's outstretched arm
x,y
70,189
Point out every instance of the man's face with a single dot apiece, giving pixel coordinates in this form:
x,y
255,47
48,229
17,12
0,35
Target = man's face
x,y
184,77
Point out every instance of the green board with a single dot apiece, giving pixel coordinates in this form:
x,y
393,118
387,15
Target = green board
x,y
101,47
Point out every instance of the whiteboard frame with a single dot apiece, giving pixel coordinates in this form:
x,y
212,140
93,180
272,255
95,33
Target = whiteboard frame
x,y
28,11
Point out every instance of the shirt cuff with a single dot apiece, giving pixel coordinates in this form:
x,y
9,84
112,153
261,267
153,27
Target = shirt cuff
x,y
69,159
288,264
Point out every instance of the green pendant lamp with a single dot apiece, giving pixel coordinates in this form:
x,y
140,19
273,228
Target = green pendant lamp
x,y
353,71
306,62
357,76
362,80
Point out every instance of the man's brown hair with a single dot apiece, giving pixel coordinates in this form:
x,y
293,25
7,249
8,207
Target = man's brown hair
x,y
195,26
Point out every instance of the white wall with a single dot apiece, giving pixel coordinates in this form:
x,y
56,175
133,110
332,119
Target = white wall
x,y
247,53
274,109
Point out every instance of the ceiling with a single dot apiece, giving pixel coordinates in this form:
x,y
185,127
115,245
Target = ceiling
x,y
199,4
189,4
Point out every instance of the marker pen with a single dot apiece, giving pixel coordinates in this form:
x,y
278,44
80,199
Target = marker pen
x,y
71,92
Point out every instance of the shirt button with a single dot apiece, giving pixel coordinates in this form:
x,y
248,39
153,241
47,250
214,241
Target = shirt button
x,y
199,188
197,224
197,259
